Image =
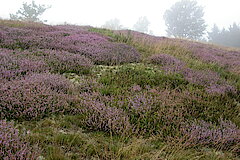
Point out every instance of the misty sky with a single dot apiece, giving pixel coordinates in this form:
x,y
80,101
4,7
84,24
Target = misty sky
x,y
96,12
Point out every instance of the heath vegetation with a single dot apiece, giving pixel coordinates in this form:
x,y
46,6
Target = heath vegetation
x,y
72,92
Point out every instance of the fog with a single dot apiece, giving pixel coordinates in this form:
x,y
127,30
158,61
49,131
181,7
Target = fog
x,y
97,12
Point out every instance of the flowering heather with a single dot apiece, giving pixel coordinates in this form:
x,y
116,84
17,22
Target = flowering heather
x,y
209,79
141,103
31,99
12,67
12,146
208,53
153,111
225,58
206,78
136,88
99,116
55,82
64,62
168,62
224,136
94,46
117,53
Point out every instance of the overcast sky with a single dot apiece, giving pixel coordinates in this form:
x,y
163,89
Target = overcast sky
x,y
97,12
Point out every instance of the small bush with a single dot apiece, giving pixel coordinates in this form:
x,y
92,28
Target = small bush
x,y
167,62
117,54
224,136
31,98
101,117
164,59
72,39
65,62
55,82
13,67
209,79
12,146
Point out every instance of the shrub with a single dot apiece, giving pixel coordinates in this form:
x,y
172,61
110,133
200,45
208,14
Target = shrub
x,y
55,82
168,62
101,117
13,67
12,145
209,79
230,60
92,45
225,135
31,99
164,59
117,53
65,62
151,114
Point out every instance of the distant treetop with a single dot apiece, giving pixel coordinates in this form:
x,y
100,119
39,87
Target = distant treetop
x,y
142,25
113,24
29,12
185,20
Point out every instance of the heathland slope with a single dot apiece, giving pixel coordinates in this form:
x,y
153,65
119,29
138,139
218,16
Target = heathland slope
x,y
73,92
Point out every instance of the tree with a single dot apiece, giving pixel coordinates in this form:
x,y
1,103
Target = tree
x,y
142,25
227,37
185,20
29,12
113,24
214,35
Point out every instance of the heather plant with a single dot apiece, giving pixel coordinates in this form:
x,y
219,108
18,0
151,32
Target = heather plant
x,y
153,111
225,58
101,117
118,54
209,79
164,59
168,62
37,61
92,45
13,67
186,50
55,82
99,104
65,62
31,98
224,136
13,146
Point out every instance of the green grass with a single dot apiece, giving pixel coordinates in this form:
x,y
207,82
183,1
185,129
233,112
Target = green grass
x,y
118,80
62,138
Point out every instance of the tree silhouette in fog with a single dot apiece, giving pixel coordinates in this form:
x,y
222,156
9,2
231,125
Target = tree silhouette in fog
x,y
142,25
185,20
227,37
113,24
29,12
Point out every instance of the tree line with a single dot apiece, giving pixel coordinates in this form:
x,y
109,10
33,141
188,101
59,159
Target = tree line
x,y
183,20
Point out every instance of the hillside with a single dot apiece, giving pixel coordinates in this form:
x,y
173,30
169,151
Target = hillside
x,y
77,92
